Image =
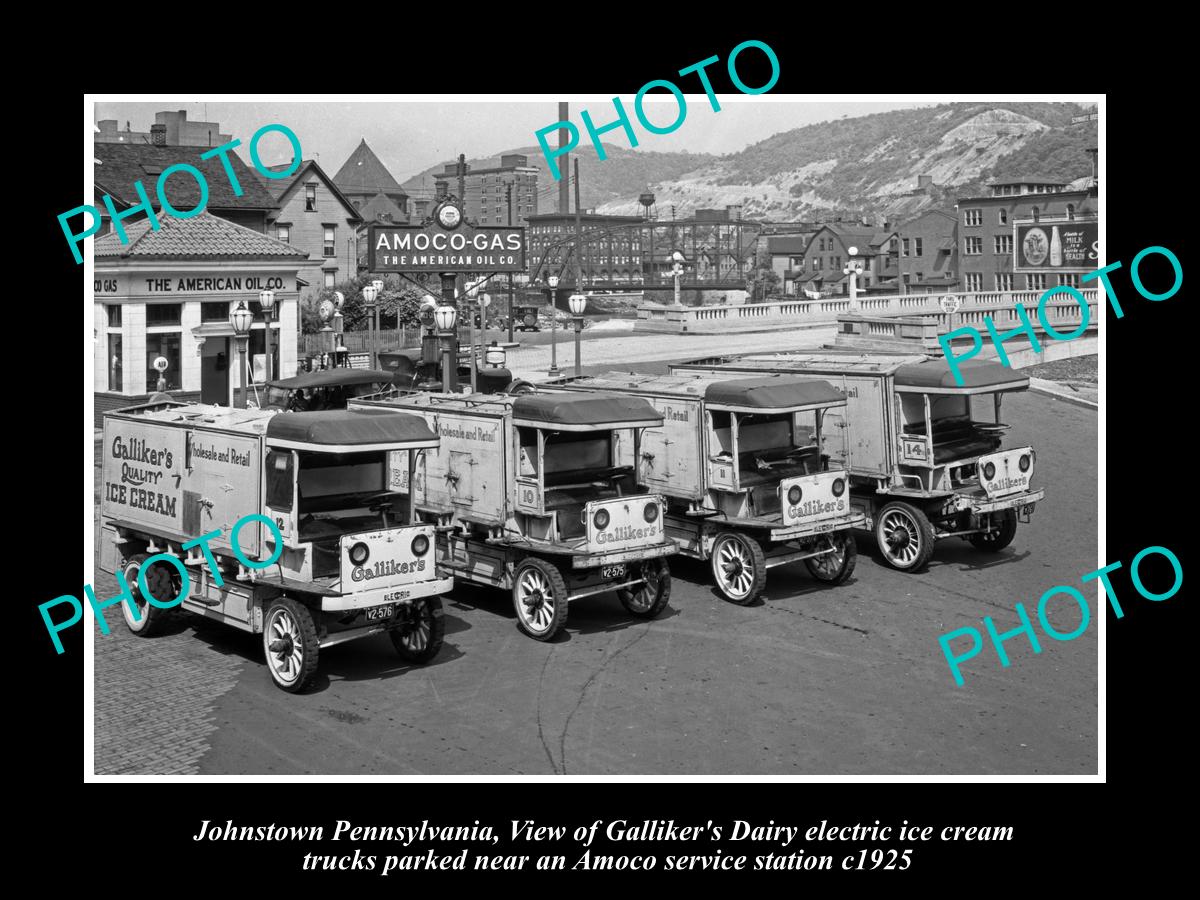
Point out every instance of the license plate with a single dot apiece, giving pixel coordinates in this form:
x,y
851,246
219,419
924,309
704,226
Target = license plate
x,y
1027,509
380,612
613,571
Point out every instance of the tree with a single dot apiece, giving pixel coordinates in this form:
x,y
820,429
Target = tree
x,y
398,302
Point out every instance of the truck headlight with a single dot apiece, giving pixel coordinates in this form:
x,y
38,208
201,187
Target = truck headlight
x,y
359,553
839,487
420,545
989,471
1024,462
600,519
794,494
650,513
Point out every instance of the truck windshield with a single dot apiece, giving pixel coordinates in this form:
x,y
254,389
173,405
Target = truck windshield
x,y
573,458
336,493
961,425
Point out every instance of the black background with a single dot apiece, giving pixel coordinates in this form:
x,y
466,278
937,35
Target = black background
x,y
144,830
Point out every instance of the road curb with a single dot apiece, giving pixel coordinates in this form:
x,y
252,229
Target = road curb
x,y
1050,389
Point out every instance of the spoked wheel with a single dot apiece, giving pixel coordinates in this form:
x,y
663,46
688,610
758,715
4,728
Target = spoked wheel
x,y
418,637
290,644
160,584
649,598
835,567
1004,529
739,567
904,536
539,598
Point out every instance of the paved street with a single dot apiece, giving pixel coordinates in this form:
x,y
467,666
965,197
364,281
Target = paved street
x,y
812,680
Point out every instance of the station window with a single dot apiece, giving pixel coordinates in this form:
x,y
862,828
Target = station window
x,y
114,315
214,311
163,313
165,345
116,379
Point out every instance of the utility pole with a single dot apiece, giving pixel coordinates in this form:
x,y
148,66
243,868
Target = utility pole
x,y
578,234
564,196
510,278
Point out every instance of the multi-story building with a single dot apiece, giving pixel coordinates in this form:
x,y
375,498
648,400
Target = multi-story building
x,y
987,228
170,129
828,253
120,166
317,218
929,252
490,192
365,181
612,247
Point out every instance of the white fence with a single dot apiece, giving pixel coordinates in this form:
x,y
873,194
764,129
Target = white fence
x,y
1062,310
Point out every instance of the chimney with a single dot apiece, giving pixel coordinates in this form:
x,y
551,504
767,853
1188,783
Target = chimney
x,y
440,189
158,135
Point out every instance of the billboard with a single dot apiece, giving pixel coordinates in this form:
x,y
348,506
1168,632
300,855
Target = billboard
x,y
433,248
1056,246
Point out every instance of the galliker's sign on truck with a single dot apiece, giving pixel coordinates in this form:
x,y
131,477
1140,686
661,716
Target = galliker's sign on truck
x,y
433,248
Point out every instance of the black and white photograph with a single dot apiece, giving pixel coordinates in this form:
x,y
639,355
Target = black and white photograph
x,y
693,432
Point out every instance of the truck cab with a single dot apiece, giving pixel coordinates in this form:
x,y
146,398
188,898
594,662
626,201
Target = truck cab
x,y
354,560
743,465
926,456
540,493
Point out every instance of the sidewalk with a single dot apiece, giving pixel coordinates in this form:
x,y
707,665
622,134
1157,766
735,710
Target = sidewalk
x,y
1080,394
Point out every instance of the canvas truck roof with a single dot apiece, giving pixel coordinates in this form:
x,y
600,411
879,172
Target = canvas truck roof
x,y
332,377
913,373
349,430
198,415
583,411
933,376
760,394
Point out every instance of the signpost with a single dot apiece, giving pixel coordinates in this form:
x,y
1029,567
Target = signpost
x,y
448,245
950,304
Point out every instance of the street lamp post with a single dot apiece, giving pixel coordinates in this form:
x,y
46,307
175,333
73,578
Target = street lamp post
x,y
241,318
677,272
484,301
552,283
578,305
378,285
853,268
445,317
369,293
339,344
266,299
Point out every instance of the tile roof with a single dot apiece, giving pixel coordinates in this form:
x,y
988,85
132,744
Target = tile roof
x,y
123,164
1026,179
363,173
202,236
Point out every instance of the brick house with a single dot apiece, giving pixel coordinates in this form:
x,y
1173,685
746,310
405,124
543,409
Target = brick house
x,y
929,252
985,230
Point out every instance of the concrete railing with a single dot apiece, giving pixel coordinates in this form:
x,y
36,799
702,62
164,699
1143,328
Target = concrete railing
x,y
1000,305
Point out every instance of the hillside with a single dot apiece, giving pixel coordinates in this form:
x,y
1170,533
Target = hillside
x,y
870,164
867,165
620,177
